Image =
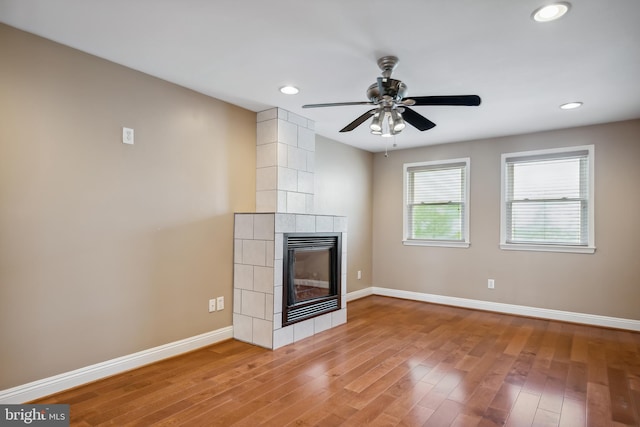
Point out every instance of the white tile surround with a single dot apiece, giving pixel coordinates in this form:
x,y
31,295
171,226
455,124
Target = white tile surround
x,y
258,273
285,163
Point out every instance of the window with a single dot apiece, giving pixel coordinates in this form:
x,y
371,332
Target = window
x,y
547,200
436,198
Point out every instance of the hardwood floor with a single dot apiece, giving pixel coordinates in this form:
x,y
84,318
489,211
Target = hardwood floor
x,y
396,362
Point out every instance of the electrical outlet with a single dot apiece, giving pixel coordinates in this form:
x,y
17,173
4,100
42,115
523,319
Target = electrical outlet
x,y
359,274
220,303
127,136
212,305
491,284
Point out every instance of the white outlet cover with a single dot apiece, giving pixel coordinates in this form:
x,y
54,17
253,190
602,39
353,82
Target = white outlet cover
x,y
127,136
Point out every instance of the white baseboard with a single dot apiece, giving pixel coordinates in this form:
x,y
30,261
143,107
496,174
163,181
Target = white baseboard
x,y
55,384
520,310
352,296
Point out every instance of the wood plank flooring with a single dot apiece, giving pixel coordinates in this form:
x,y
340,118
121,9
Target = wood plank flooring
x,y
395,363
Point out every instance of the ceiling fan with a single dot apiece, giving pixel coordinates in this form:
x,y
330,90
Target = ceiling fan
x,y
392,108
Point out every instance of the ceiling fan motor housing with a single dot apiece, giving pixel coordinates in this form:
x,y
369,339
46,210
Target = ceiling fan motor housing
x,y
392,90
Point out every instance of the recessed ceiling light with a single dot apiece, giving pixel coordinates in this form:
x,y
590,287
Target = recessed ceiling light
x,y
289,90
550,12
571,105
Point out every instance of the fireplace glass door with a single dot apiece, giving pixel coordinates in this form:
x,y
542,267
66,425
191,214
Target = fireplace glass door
x,y
311,274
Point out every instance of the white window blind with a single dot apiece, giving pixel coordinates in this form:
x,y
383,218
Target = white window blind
x,y
547,198
436,201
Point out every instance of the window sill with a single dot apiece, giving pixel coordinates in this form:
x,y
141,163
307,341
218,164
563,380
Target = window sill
x,y
436,243
548,248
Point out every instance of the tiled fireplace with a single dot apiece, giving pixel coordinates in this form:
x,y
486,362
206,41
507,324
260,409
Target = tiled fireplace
x,y
258,277
284,203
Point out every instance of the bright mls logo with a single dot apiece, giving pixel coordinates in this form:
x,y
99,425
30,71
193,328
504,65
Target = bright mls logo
x,y
34,415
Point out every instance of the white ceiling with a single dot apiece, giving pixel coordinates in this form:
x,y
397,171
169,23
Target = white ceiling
x,y
243,51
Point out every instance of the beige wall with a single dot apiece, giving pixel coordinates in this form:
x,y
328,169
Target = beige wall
x,y
605,283
108,249
344,186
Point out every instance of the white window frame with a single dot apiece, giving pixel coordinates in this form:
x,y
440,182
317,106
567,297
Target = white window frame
x,y
590,247
465,243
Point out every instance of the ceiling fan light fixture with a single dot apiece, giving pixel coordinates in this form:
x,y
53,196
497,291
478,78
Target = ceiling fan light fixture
x,y
550,12
289,90
390,120
376,123
397,120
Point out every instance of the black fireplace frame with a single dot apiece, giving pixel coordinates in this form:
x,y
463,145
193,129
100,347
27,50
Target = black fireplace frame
x,y
308,309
